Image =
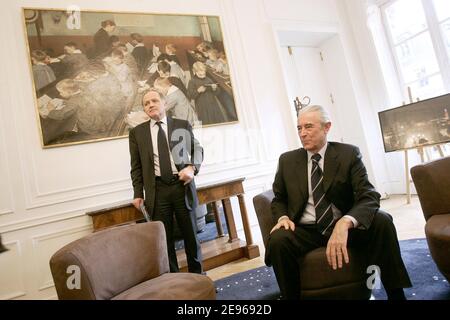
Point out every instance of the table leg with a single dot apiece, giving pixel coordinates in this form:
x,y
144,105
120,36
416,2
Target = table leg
x,y
217,219
252,250
245,222
230,220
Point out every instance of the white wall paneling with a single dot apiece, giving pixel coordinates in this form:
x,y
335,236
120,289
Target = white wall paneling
x,y
6,184
45,245
11,282
6,199
49,190
304,11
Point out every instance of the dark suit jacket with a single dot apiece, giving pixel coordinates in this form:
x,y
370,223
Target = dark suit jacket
x,y
345,183
185,150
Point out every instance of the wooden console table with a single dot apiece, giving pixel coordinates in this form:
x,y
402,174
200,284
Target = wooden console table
x,y
215,252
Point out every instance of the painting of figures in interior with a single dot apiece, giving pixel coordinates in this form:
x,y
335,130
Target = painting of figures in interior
x,y
91,69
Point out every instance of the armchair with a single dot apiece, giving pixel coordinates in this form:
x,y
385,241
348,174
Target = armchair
x,y
432,182
126,263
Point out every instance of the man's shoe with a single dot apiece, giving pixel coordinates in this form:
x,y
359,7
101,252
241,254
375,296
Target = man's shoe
x,y
395,294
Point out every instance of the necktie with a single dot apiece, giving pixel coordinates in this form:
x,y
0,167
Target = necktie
x,y
164,157
324,212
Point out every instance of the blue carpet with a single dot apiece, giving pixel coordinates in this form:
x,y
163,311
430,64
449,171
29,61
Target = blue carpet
x,y
428,282
208,233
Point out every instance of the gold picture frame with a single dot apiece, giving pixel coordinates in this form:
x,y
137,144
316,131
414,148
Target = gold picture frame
x,y
89,70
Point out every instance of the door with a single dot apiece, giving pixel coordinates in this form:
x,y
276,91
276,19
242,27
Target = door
x,y
304,70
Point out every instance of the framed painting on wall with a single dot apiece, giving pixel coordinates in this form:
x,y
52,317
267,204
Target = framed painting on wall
x,y
90,70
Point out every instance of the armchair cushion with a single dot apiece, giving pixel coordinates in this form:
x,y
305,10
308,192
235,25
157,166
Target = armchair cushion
x,y
172,286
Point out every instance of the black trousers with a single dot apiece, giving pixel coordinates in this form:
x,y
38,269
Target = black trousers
x,y
285,247
169,200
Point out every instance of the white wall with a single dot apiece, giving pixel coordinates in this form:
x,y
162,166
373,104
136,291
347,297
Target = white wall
x,y
318,11
44,194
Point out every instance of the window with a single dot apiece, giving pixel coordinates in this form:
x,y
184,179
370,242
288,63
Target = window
x,y
443,15
419,35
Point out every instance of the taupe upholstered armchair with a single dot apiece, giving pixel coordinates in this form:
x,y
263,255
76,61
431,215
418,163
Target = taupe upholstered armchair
x,y
318,279
432,182
125,262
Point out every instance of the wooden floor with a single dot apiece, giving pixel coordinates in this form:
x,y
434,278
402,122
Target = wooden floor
x,y
408,220
215,253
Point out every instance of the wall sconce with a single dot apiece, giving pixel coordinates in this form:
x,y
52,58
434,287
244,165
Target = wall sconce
x,y
299,104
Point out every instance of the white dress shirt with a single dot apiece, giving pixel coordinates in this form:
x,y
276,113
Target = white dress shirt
x,y
154,134
309,215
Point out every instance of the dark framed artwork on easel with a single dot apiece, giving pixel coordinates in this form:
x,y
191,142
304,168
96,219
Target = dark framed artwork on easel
x,y
415,125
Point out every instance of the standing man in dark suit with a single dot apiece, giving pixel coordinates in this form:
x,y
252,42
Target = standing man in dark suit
x,y
165,156
323,198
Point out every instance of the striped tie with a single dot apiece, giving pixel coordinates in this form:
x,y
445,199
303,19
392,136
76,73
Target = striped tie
x,y
324,213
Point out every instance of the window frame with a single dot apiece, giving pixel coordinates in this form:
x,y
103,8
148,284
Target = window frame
x,y
437,39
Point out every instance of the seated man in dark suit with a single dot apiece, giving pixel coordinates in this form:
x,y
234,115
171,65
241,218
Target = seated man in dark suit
x,y
323,198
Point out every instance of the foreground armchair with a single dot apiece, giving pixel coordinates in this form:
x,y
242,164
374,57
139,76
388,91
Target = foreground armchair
x,y
432,181
126,263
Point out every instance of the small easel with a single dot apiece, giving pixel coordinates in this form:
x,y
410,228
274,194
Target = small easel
x,y
421,152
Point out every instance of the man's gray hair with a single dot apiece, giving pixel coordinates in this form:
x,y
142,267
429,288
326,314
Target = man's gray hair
x,y
153,89
324,117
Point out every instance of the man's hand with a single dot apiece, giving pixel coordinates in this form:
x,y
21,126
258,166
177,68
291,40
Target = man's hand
x,y
137,203
187,174
337,244
284,222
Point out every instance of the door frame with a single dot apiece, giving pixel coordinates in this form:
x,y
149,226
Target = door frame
x,y
306,33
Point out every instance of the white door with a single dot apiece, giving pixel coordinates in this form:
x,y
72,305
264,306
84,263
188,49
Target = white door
x,y
304,70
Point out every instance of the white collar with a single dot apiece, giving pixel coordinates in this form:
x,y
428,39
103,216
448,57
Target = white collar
x,y
139,45
163,120
321,152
